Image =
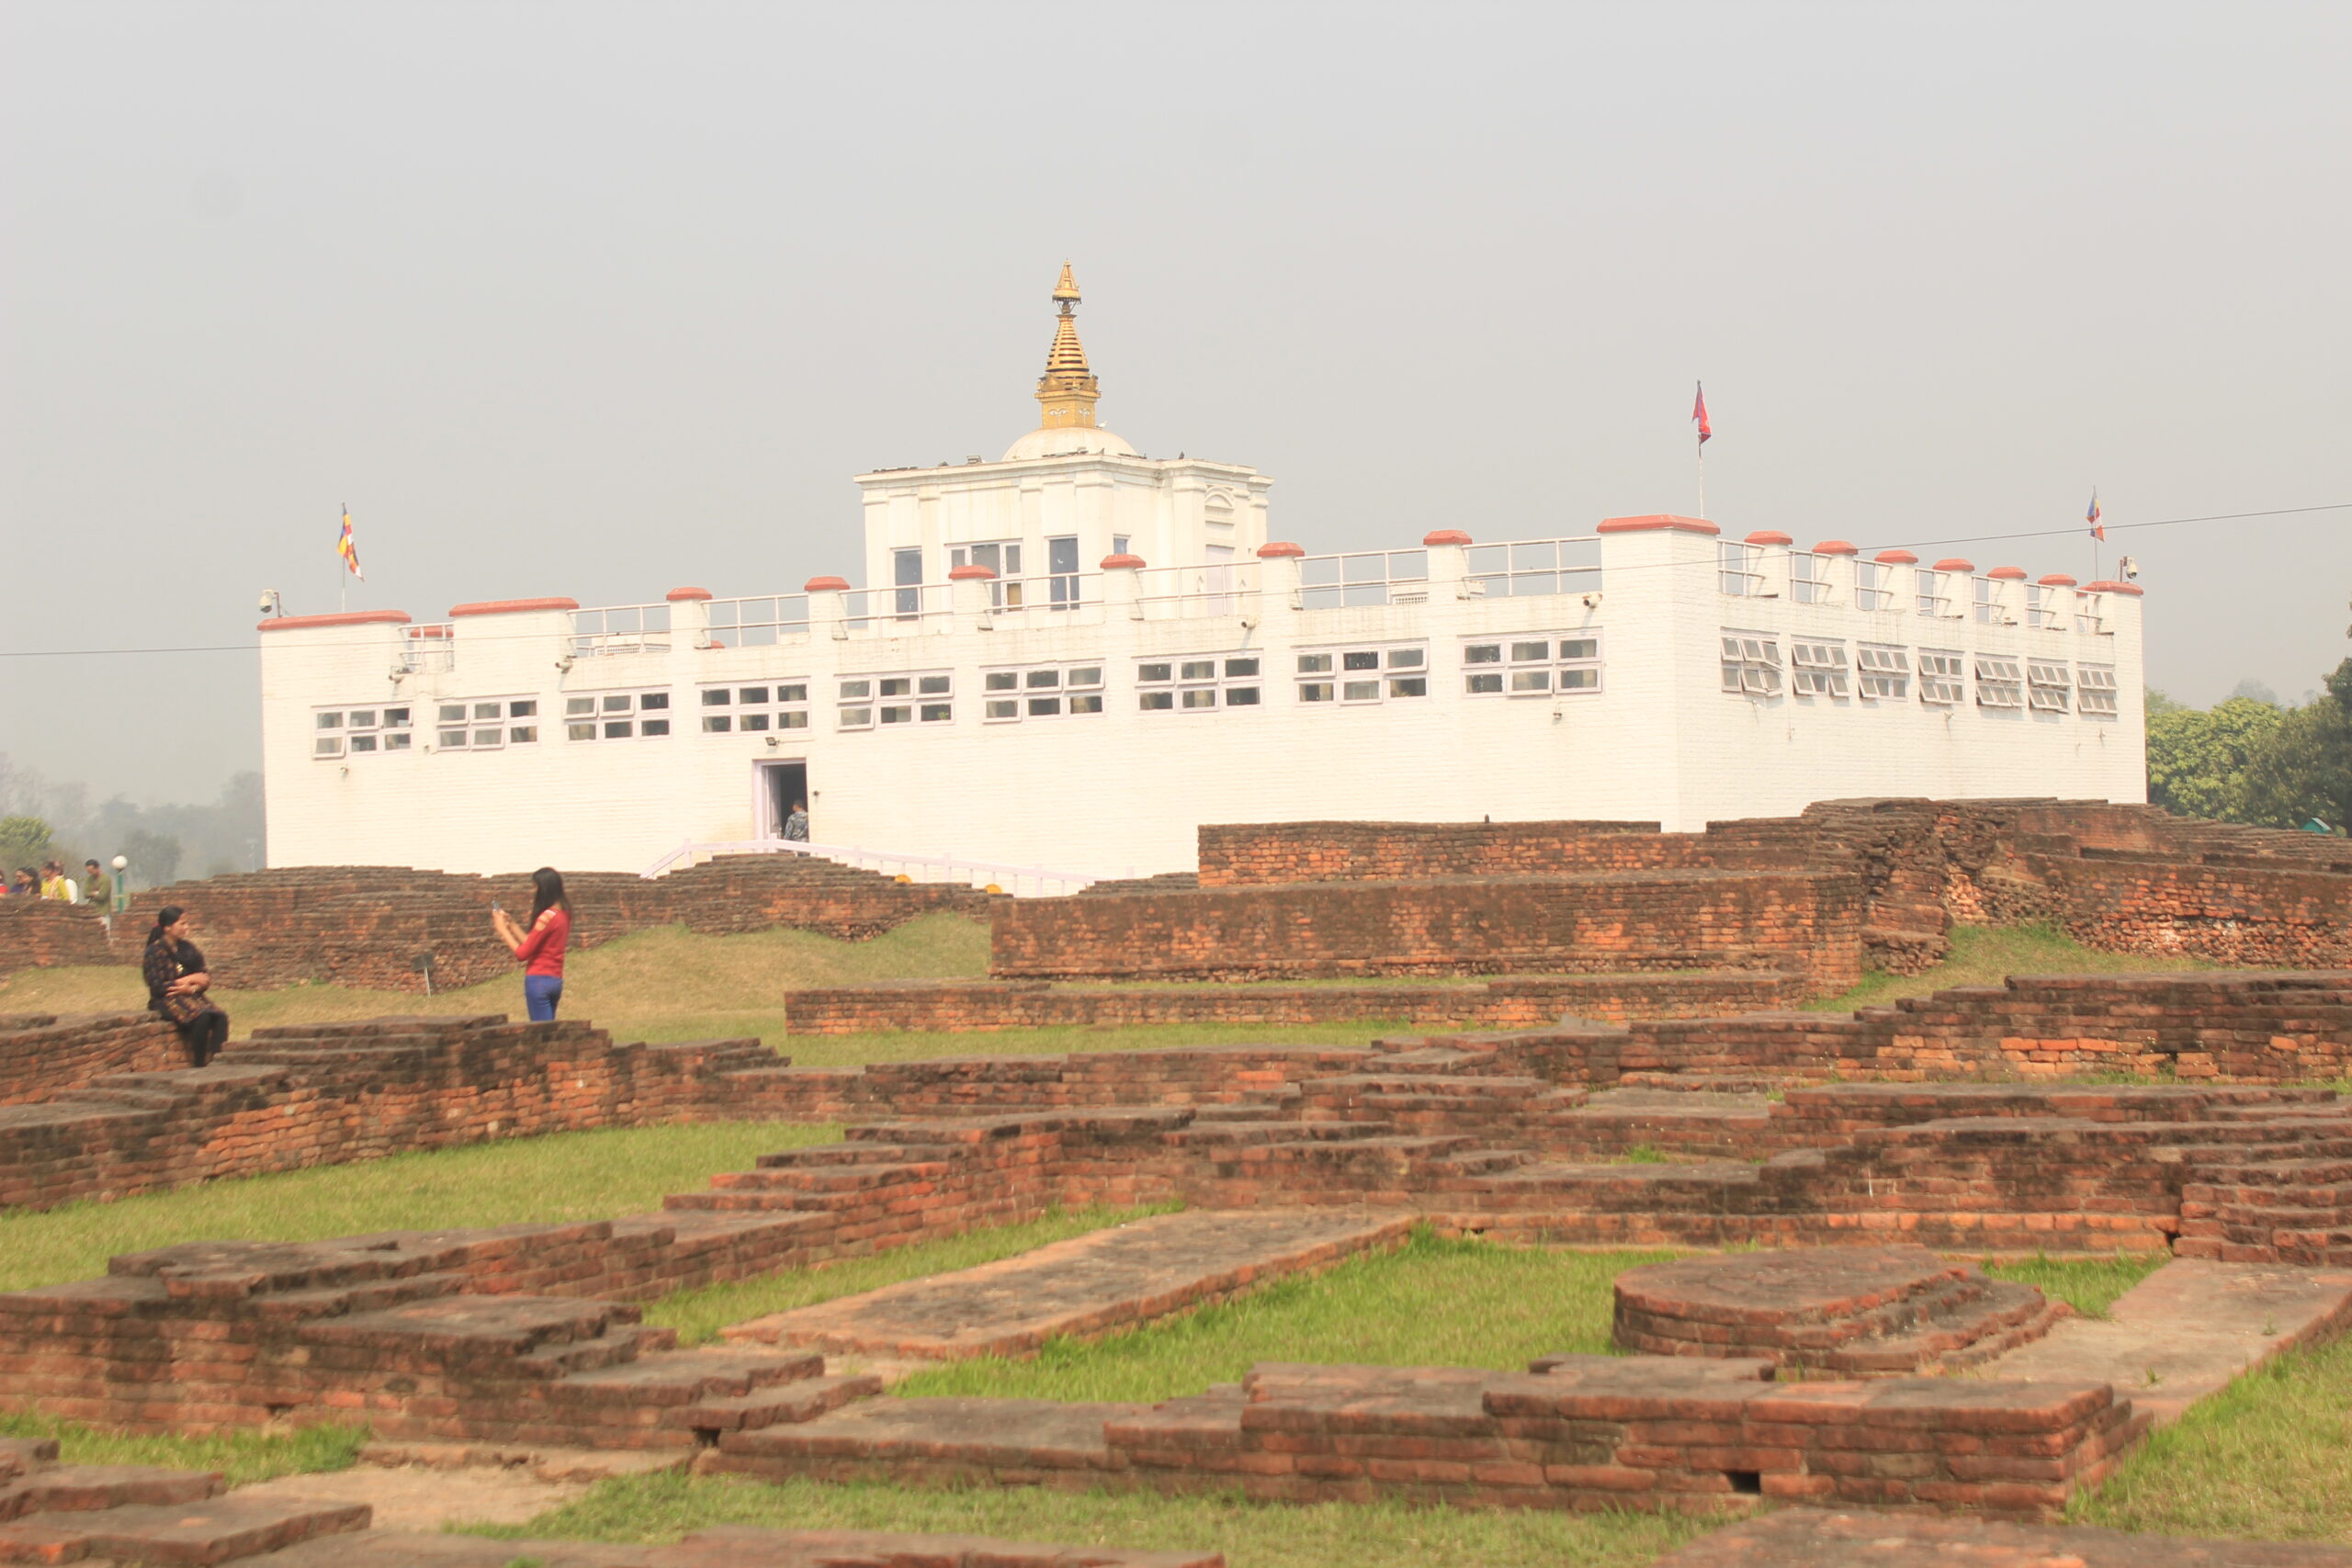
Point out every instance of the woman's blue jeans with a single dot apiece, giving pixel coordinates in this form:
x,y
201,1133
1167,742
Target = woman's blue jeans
x,y
540,993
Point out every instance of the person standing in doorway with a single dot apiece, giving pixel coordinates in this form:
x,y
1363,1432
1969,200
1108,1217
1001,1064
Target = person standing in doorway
x,y
796,822
541,947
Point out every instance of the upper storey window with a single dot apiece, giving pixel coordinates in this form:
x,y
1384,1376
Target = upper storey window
x,y
616,715
1751,664
485,725
359,732
1363,674
1200,684
1532,667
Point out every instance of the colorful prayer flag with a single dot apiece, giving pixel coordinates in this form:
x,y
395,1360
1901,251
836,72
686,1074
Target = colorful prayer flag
x,y
348,549
2099,529
1699,413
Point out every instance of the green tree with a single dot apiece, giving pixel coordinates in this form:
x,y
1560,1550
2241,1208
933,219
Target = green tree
x,y
24,840
2302,769
155,857
2197,759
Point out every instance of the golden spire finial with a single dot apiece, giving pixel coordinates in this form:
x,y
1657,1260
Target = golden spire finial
x,y
1068,389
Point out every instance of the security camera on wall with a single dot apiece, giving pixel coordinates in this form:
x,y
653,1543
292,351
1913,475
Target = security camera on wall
x,y
1593,600
2131,567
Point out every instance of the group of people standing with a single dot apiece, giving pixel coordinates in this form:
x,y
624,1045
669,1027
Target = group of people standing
x,y
51,883
179,981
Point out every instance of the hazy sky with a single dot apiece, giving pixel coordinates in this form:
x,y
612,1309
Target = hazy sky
x,y
598,299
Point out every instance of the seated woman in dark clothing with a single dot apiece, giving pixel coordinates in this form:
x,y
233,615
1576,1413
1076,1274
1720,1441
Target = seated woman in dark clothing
x,y
177,983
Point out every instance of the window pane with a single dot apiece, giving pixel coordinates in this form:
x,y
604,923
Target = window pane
x,y
1531,680
1406,658
396,742
1483,653
1524,652
1580,647
791,719
362,743
617,702
1088,675
857,689
653,700
1368,660
330,721
364,718
1408,686
898,686
1359,691
1087,703
453,740
486,710
616,729
1242,668
1043,679
1200,697
796,693
1200,670
754,696
1314,690
898,715
717,724
522,710
1314,664
1043,705
1481,684
932,685
580,731
522,734
752,722
486,736
938,713
453,712
572,705
396,718
1002,679
327,745
1003,708
1585,680
856,718
1150,673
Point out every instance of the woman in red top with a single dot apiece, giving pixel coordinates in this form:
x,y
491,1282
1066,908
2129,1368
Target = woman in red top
x,y
541,947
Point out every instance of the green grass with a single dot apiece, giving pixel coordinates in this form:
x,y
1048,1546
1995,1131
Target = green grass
x,y
242,1456
844,1050
700,1315
2268,1458
1331,1535
1431,1303
563,1176
2089,1285
1986,955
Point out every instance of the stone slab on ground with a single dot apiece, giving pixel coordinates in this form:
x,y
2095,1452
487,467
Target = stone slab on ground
x,y
1000,1440
2194,1325
414,1498
1805,1538
733,1546
1083,1287
540,1462
201,1531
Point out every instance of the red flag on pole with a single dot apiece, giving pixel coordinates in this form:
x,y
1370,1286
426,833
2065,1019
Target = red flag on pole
x,y
1699,414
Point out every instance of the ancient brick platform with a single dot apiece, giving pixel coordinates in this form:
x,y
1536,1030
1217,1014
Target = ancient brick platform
x,y
42,933
322,1094
43,1055
61,1513
1504,1002
380,927
1585,1433
1855,1311
1082,1288
1806,1538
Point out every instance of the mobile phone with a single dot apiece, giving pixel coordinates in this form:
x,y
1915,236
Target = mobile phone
x,y
496,908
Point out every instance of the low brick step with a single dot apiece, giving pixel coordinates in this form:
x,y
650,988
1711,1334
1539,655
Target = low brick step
x,y
2007,1315
1727,1080
682,1378
2274,1173
1237,1114
1264,1135
201,1531
792,1402
1472,1163
846,1153
81,1488
463,1331
579,1358
18,1455
862,1178
2286,1215
331,1301
1399,1149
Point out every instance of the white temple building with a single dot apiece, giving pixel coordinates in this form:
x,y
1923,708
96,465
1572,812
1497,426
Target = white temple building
x,y
1072,657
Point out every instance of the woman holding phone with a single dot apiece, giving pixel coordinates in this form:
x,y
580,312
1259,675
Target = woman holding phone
x,y
541,947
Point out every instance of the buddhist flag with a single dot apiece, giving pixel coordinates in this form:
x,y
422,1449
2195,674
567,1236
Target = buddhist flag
x,y
1699,415
348,549
2099,529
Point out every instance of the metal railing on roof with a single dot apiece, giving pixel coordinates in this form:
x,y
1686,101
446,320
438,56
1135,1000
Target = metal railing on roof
x,y
1522,567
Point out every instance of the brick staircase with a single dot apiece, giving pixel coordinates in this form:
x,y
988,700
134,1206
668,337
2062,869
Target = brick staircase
x,y
2287,1200
138,1514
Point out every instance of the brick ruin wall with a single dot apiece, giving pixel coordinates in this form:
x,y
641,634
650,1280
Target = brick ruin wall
x,y
43,1055
1793,921
42,933
985,1006
373,926
296,1097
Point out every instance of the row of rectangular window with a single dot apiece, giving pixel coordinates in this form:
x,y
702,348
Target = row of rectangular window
x,y
1751,666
